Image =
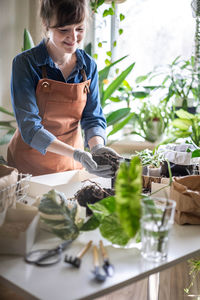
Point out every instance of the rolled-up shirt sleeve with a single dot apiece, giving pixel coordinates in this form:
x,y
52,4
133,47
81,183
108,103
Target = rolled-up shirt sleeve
x,y
23,96
93,121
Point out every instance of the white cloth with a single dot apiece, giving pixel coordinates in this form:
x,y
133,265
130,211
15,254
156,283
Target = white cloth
x,y
177,153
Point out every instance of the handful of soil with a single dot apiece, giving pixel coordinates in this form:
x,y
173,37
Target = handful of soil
x,y
91,194
107,159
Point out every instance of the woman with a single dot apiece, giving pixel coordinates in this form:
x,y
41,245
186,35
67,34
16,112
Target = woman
x,y
54,90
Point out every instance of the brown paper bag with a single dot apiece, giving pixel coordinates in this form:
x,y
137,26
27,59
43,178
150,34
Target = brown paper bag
x,y
186,192
147,181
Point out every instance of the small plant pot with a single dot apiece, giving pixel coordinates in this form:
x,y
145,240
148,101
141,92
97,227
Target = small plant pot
x,y
154,132
191,108
154,172
144,170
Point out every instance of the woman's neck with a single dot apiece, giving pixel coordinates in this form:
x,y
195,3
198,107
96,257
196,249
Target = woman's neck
x,y
59,58
63,61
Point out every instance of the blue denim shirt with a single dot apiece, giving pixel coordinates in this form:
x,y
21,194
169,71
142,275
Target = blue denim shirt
x,y
26,72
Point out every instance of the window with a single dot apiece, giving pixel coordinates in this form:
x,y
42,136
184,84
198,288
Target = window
x,y
155,33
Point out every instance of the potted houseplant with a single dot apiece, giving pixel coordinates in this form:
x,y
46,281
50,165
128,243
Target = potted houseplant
x,y
186,125
149,120
117,217
180,84
151,161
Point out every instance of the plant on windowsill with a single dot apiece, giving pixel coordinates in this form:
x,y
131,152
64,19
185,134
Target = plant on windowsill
x,y
178,83
187,125
148,120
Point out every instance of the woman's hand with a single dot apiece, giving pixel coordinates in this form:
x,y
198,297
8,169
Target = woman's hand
x,y
101,150
85,158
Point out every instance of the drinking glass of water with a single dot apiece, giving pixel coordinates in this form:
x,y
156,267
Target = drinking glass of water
x,y
156,222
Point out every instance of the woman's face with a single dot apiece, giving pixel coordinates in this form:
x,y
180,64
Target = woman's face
x,y
67,38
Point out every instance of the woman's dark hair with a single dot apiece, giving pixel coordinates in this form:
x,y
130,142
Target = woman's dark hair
x,y
65,12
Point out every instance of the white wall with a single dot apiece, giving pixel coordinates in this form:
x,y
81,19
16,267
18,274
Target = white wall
x,y
15,15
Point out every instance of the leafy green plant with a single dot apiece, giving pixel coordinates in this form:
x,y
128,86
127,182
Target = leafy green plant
x,y
124,96
8,126
151,121
179,81
149,157
194,272
138,111
119,216
148,121
27,40
95,4
128,189
106,93
107,12
54,211
185,126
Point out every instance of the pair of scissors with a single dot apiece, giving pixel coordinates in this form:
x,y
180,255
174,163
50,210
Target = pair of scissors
x,y
45,257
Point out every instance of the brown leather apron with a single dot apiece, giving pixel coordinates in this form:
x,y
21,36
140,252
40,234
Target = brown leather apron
x,y
60,107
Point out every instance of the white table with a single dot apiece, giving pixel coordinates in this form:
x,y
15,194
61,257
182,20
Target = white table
x,y
62,281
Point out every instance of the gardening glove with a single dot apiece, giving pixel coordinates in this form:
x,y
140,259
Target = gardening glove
x,y
100,149
90,165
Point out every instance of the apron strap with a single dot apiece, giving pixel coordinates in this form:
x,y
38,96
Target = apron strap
x,y
44,72
83,75
85,79
44,75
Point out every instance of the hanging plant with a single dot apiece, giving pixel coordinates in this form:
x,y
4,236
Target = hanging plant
x,y
95,4
116,1
107,12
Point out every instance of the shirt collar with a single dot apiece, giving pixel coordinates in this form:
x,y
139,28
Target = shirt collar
x,y
42,55
43,58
